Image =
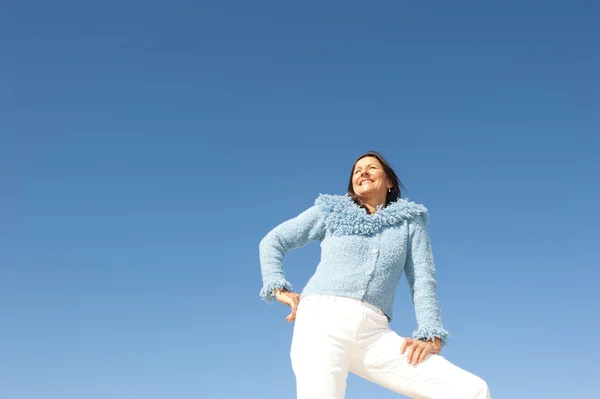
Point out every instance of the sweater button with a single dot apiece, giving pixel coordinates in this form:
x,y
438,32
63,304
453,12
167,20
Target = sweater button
x,y
367,273
374,251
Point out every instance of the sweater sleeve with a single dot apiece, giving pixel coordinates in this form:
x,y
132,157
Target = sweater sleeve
x,y
420,273
294,233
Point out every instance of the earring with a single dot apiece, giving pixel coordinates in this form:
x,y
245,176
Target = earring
x,y
389,190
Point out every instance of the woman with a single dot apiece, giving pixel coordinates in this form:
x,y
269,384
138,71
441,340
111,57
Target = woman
x,y
369,237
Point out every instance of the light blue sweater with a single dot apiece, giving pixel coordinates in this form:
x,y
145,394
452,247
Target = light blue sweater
x,y
362,256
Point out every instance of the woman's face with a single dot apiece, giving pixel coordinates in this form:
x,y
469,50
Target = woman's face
x,y
369,179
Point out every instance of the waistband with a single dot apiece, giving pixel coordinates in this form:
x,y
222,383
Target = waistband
x,y
335,298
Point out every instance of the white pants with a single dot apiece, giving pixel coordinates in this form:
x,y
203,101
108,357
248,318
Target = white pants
x,y
335,335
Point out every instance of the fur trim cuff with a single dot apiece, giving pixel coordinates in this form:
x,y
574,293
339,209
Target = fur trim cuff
x,y
266,293
427,333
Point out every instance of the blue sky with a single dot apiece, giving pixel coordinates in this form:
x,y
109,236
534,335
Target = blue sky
x,y
145,149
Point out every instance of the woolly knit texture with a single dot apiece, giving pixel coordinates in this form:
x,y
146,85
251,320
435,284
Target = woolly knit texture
x,y
363,256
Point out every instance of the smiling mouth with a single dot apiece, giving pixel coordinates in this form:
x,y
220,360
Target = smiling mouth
x,y
366,181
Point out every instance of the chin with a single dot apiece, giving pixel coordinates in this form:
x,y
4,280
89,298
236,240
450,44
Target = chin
x,y
368,191
368,194
364,194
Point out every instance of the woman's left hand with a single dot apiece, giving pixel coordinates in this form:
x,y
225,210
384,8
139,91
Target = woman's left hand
x,y
418,350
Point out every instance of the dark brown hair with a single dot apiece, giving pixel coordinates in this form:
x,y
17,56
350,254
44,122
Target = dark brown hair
x,y
397,185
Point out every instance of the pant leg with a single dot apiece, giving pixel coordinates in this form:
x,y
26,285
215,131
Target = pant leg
x,y
319,352
433,378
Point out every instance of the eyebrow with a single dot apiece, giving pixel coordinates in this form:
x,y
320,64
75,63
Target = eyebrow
x,y
371,164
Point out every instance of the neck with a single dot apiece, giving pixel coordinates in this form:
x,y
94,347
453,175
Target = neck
x,y
372,203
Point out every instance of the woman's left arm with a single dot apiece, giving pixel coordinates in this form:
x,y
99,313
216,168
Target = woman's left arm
x,y
421,276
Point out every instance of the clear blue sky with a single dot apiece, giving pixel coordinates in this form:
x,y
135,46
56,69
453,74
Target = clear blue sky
x,y
145,149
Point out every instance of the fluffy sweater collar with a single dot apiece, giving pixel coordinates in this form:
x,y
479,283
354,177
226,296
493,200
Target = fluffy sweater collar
x,y
343,216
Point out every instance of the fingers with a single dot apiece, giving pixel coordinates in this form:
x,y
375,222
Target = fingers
x,y
292,316
423,355
411,351
292,300
405,343
418,352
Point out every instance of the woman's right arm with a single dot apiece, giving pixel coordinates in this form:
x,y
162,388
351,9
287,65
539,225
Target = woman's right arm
x,y
421,277
294,233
